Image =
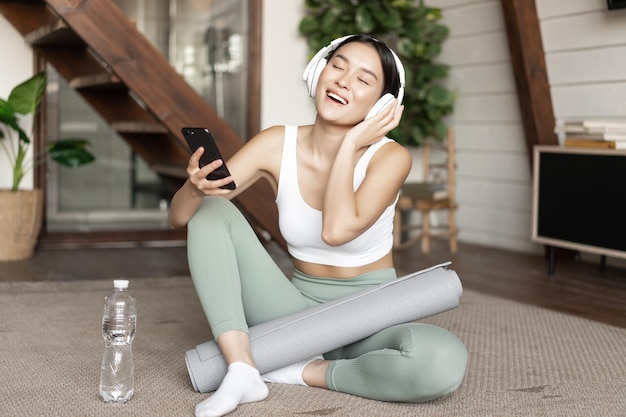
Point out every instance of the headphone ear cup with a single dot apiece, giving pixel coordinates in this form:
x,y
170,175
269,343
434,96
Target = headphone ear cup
x,y
314,76
380,105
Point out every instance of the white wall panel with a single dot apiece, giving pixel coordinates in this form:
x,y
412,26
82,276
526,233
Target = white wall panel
x,y
493,78
587,66
590,100
491,108
495,221
478,49
504,195
558,8
451,4
583,31
500,241
493,165
492,137
479,18
495,228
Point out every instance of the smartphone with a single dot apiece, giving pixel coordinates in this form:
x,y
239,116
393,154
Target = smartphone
x,y
199,136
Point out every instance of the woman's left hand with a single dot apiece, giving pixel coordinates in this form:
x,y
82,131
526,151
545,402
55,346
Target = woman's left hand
x,y
371,130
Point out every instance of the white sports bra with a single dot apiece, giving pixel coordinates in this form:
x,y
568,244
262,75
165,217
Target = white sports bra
x,y
301,225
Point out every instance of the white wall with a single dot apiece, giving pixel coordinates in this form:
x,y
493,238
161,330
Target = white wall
x,y
585,48
284,56
17,65
493,174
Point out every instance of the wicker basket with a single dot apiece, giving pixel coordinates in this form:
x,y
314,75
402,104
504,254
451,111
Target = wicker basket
x,y
20,222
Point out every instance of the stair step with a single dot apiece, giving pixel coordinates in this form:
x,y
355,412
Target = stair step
x,y
130,127
54,34
103,81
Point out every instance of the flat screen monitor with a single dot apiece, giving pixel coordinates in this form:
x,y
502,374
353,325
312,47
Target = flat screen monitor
x,y
579,199
616,4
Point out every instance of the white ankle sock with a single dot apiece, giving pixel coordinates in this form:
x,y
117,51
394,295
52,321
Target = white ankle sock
x,y
242,384
291,374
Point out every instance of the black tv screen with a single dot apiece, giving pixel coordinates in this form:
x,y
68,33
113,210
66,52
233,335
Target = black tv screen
x,y
579,200
616,4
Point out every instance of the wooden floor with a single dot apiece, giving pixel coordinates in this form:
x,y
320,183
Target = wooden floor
x,y
577,287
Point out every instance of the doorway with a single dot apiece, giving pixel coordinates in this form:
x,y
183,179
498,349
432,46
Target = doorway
x,y
211,43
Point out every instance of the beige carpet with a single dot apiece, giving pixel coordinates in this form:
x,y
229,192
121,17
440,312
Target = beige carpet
x,y
524,361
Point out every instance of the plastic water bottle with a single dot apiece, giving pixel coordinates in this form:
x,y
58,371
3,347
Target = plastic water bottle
x,y
119,321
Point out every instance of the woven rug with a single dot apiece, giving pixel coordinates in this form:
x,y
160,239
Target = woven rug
x,y
524,360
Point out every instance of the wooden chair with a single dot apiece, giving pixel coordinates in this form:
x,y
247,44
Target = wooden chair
x,y
435,193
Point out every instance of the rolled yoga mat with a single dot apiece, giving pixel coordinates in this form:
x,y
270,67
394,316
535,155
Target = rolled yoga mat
x,y
328,326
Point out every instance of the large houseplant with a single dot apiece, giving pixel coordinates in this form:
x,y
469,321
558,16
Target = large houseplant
x,y
413,30
21,210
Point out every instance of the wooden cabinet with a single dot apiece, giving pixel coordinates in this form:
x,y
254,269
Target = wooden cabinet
x,y
579,200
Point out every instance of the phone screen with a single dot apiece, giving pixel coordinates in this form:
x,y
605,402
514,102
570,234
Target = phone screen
x,y
199,136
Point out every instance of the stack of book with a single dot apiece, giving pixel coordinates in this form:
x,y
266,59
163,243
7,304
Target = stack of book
x,y
608,134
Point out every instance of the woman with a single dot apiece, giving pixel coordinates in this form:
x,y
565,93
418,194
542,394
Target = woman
x,y
337,183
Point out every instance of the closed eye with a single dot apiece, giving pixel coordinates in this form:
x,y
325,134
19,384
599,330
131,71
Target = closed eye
x,y
366,77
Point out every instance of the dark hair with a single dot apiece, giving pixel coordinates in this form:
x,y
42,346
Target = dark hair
x,y
390,70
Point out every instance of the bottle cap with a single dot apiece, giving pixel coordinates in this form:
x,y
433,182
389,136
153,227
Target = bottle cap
x,y
120,283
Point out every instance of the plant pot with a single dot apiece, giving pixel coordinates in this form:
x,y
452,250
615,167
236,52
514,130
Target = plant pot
x,y
20,222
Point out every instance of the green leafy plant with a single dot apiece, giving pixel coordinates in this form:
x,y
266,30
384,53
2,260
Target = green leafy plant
x,y
24,99
413,30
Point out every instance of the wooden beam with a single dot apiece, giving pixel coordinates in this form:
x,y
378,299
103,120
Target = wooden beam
x,y
531,78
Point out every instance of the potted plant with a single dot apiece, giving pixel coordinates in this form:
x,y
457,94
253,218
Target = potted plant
x,y
413,30
21,211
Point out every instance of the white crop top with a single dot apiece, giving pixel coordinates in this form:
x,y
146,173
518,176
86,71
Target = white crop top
x,y
301,225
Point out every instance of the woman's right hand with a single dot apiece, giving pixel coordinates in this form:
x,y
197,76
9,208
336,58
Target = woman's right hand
x,y
189,197
371,130
259,157
200,186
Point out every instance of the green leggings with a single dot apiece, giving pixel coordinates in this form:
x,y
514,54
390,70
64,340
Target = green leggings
x,y
240,285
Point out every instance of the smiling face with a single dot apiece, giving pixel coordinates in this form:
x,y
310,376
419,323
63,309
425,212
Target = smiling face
x,y
350,84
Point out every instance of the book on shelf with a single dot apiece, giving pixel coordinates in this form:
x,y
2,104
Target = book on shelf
x,y
597,125
576,142
583,133
616,136
579,130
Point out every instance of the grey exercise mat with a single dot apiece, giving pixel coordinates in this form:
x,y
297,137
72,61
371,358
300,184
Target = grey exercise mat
x,y
314,331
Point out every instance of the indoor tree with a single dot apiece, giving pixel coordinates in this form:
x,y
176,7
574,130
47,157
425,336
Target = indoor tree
x,y
23,100
22,210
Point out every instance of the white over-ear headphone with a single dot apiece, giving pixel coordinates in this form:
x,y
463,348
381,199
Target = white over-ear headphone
x,y
316,65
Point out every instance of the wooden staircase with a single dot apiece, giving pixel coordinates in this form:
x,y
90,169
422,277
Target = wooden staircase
x,y
101,55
